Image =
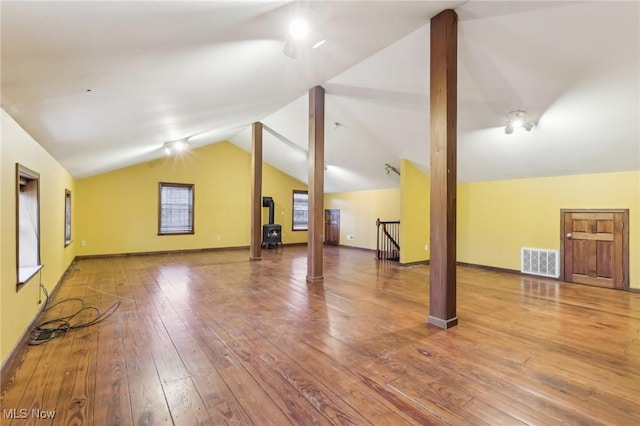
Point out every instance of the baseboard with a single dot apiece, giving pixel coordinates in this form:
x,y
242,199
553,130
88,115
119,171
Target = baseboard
x,y
413,264
496,269
13,360
356,248
165,252
469,265
161,252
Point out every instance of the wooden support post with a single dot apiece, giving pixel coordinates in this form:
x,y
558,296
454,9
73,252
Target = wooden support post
x,y
256,192
442,279
316,184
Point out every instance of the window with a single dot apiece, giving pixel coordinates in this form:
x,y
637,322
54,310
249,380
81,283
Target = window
x,y
300,210
28,224
67,217
175,209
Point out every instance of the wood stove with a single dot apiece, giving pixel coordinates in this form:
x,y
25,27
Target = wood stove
x,y
271,232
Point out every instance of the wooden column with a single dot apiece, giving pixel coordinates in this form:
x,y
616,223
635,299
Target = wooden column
x,y
256,192
442,280
316,184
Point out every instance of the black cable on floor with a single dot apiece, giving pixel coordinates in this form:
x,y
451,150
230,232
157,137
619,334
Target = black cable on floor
x,y
50,329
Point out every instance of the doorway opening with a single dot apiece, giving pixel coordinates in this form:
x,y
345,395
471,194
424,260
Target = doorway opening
x,y
332,227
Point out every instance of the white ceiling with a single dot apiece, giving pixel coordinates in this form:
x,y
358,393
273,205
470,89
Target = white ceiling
x,y
102,85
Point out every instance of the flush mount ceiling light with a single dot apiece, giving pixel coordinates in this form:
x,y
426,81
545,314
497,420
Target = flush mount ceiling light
x,y
300,36
299,29
175,147
517,120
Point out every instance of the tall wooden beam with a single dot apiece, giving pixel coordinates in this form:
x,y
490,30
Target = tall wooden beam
x,y
442,280
256,192
316,184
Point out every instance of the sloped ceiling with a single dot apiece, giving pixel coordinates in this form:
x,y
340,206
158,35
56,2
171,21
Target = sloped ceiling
x,y
102,85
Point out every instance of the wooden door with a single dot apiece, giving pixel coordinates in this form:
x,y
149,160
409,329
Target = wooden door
x,y
332,227
595,247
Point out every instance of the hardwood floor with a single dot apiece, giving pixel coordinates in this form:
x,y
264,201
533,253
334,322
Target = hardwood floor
x,y
211,338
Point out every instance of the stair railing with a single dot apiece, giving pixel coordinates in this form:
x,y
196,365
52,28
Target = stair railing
x,y
388,241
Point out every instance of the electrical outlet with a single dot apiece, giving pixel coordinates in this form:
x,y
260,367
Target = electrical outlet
x,y
426,247
218,237
83,243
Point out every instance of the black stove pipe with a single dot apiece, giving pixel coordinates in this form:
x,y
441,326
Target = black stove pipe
x,y
268,202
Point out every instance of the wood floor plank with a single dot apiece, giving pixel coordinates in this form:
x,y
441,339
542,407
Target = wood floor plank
x,y
185,404
148,403
14,389
222,405
346,382
499,390
81,399
112,383
48,383
300,401
295,382
255,401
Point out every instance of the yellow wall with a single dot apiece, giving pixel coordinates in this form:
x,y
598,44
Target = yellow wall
x,y
359,211
119,210
18,309
496,219
414,222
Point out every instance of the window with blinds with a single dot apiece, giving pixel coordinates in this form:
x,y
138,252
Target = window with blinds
x,y
175,208
300,210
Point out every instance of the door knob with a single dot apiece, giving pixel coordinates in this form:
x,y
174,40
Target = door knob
x,y
569,235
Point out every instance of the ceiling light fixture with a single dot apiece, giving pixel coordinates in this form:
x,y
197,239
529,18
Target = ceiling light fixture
x,y
301,38
299,29
517,120
174,147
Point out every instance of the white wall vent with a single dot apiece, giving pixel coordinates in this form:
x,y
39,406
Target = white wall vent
x,y
540,262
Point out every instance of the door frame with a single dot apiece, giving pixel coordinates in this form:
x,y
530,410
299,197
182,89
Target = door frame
x,y
625,240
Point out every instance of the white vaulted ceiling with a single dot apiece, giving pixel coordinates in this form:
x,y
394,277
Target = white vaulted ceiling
x,y
102,85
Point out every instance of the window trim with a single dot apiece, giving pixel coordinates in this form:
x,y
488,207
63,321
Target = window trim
x,y
293,210
67,214
193,202
24,273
